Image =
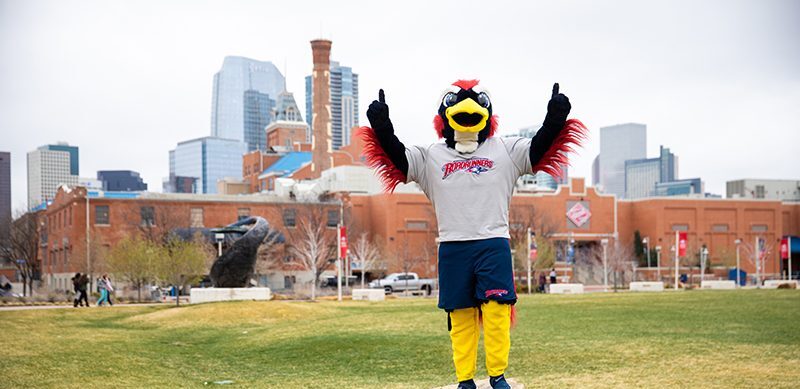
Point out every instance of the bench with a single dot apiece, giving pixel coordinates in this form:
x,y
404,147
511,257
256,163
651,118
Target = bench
x,y
369,294
773,284
647,286
207,295
724,284
566,288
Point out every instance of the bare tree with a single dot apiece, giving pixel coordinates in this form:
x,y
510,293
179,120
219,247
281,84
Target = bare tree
x,y
22,249
180,263
366,252
157,221
620,258
271,254
132,260
310,242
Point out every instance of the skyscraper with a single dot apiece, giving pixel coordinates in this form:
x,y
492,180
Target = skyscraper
x,y
257,115
5,196
48,167
240,99
207,160
344,103
618,144
121,180
540,180
643,175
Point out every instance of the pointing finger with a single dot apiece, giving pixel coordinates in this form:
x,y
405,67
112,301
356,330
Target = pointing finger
x,y
555,90
381,96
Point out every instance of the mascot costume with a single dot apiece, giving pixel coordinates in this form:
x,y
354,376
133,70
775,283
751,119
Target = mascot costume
x,y
469,178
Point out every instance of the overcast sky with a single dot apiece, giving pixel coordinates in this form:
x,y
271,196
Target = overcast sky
x,y
716,81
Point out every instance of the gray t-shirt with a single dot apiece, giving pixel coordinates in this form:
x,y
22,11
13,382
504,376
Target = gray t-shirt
x,y
470,192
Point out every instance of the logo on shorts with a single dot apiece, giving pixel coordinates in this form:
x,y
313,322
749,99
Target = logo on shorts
x,y
496,293
473,165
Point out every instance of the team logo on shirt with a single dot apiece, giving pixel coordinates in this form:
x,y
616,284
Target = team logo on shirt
x,y
473,165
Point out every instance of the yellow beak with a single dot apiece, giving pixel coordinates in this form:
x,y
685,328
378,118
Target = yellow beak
x,y
467,106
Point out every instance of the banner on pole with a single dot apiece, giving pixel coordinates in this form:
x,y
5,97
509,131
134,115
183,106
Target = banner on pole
x,y
533,248
342,242
682,243
784,248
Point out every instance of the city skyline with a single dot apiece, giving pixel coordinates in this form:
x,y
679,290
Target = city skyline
x,y
704,82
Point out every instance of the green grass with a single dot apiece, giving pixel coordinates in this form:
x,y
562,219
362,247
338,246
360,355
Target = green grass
x,y
688,339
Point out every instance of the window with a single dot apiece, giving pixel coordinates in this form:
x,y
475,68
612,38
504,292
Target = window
x,y
148,216
680,227
101,215
242,213
719,228
289,216
416,225
196,218
333,219
758,228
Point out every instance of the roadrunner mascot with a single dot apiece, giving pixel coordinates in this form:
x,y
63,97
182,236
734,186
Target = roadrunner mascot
x,y
469,178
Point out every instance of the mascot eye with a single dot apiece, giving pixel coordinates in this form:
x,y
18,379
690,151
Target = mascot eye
x,y
483,100
449,99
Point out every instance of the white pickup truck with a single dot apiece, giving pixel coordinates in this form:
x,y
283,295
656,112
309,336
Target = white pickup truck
x,y
404,281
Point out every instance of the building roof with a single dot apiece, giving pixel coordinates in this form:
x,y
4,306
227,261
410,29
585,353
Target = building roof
x,y
288,164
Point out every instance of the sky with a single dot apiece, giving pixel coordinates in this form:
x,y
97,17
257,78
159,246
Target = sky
x,y
718,82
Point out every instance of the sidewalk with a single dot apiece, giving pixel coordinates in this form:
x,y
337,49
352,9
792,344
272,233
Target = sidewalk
x,y
34,307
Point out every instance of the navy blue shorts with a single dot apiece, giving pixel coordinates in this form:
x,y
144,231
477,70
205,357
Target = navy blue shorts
x,y
475,271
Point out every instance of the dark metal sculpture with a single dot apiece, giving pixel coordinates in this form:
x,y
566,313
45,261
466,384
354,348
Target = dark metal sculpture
x,y
236,265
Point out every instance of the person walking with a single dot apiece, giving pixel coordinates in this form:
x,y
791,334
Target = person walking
x,y
542,282
83,285
109,289
76,288
101,286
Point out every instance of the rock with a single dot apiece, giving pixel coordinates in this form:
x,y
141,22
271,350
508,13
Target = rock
x,y
236,265
484,384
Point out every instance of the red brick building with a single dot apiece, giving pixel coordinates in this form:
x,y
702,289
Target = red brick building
x,y
404,224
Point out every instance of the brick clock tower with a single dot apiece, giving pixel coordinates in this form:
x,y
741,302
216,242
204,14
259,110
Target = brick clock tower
x,y
321,150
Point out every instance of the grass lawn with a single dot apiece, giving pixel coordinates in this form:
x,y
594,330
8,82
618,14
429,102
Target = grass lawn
x,y
687,339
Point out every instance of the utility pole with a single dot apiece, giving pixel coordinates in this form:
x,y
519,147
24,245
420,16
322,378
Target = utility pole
x,y
88,242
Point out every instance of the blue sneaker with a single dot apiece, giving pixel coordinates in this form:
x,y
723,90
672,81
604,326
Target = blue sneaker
x,y
499,382
469,384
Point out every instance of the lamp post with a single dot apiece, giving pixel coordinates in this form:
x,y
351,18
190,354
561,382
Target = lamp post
x,y
529,259
646,242
604,242
658,262
703,256
738,270
675,250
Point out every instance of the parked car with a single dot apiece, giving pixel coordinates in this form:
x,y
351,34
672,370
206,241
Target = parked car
x,y
330,281
404,281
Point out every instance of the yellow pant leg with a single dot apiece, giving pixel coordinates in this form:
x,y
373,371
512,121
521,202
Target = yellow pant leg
x,y
496,336
464,335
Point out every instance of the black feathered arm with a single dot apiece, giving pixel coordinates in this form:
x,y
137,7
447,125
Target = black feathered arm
x,y
382,150
550,145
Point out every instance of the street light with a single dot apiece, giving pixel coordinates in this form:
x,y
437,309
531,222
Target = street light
x,y
738,269
646,242
658,261
604,242
703,256
675,251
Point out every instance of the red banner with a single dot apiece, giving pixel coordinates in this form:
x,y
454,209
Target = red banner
x,y
682,243
784,248
342,242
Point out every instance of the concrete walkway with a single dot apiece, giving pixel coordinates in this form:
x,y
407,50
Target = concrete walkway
x,y
35,307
